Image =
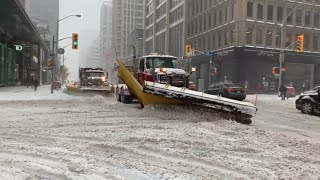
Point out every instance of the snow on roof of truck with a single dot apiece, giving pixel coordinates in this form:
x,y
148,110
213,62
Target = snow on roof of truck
x,y
94,71
158,55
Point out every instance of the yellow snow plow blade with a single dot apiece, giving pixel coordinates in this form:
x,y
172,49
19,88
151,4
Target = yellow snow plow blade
x,y
137,88
72,88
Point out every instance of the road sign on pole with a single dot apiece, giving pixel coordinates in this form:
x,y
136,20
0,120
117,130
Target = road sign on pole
x,y
61,51
50,63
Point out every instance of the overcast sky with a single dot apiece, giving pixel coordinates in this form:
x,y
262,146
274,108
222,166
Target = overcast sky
x,y
90,20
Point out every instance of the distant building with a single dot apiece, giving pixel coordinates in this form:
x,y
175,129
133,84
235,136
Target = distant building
x,y
44,11
164,26
245,36
93,56
86,45
127,17
106,50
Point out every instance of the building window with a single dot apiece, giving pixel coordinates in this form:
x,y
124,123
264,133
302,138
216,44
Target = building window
x,y
269,38
316,20
249,36
279,14
270,12
259,36
260,11
219,40
232,35
232,11
220,17
306,41
307,18
250,9
299,17
289,19
315,43
226,38
278,39
288,39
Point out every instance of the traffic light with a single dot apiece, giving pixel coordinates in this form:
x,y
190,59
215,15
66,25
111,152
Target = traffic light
x,y
188,50
300,43
75,42
276,70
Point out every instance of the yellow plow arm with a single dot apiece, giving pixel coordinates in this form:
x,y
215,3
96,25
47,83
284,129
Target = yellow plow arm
x,y
137,89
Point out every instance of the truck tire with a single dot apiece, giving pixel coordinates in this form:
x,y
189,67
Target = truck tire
x,y
118,97
125,99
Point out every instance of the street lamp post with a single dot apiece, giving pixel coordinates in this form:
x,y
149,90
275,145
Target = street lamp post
x,y
282,48
55,50
57,35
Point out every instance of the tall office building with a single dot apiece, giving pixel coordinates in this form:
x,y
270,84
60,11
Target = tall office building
x,y
164,26
245,36
106,50
127,18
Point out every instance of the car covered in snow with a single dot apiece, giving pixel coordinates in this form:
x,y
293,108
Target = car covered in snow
x,y
309,102
317,88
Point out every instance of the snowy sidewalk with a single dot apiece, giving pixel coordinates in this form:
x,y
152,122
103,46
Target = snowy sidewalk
x,y
23,93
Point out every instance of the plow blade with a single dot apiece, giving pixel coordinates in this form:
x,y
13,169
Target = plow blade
x,y
95,88
201,99
73,88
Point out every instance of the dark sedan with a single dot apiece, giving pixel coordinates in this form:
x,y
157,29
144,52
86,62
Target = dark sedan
x,y
227,90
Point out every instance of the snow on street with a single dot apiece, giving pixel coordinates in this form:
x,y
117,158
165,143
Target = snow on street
x,y
94,137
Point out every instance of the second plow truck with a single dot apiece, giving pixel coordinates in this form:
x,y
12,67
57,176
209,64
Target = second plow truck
x,y
159,79
93,79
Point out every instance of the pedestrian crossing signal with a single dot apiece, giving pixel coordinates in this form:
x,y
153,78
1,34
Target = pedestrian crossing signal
x,y
188,50
300,43
75,41
276,70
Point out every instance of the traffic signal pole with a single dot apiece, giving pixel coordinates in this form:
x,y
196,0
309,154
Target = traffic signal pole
x,y
282,49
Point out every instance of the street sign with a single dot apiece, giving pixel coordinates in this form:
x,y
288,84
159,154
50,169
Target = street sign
x,y
18,47
50,62
61,51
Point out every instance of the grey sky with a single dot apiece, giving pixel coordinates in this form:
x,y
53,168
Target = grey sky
x,y
90,20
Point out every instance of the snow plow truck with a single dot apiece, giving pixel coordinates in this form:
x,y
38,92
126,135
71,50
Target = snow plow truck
x,y
159,79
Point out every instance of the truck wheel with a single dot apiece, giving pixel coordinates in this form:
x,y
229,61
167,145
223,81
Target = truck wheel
x,y
122,97
307,107
118,95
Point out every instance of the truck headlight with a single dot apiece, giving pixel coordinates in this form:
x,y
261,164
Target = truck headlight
x,y
103,78
163,69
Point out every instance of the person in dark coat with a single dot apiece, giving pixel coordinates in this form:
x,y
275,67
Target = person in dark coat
x,y
283,90
35,83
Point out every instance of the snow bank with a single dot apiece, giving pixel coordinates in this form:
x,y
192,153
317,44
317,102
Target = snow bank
x,y
23,93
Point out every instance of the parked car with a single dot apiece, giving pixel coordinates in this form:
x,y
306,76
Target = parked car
x,y
227,90
309,102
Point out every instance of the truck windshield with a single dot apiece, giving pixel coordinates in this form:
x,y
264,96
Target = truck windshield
x,y
164,62
95,74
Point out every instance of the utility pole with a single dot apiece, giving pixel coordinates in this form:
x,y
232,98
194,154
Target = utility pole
x,y
282,48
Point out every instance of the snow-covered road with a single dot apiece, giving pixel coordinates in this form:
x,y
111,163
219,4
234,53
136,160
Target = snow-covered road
x,y
93,137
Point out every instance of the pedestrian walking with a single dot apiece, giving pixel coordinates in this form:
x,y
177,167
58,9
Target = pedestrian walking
x,y
283,90
35,83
